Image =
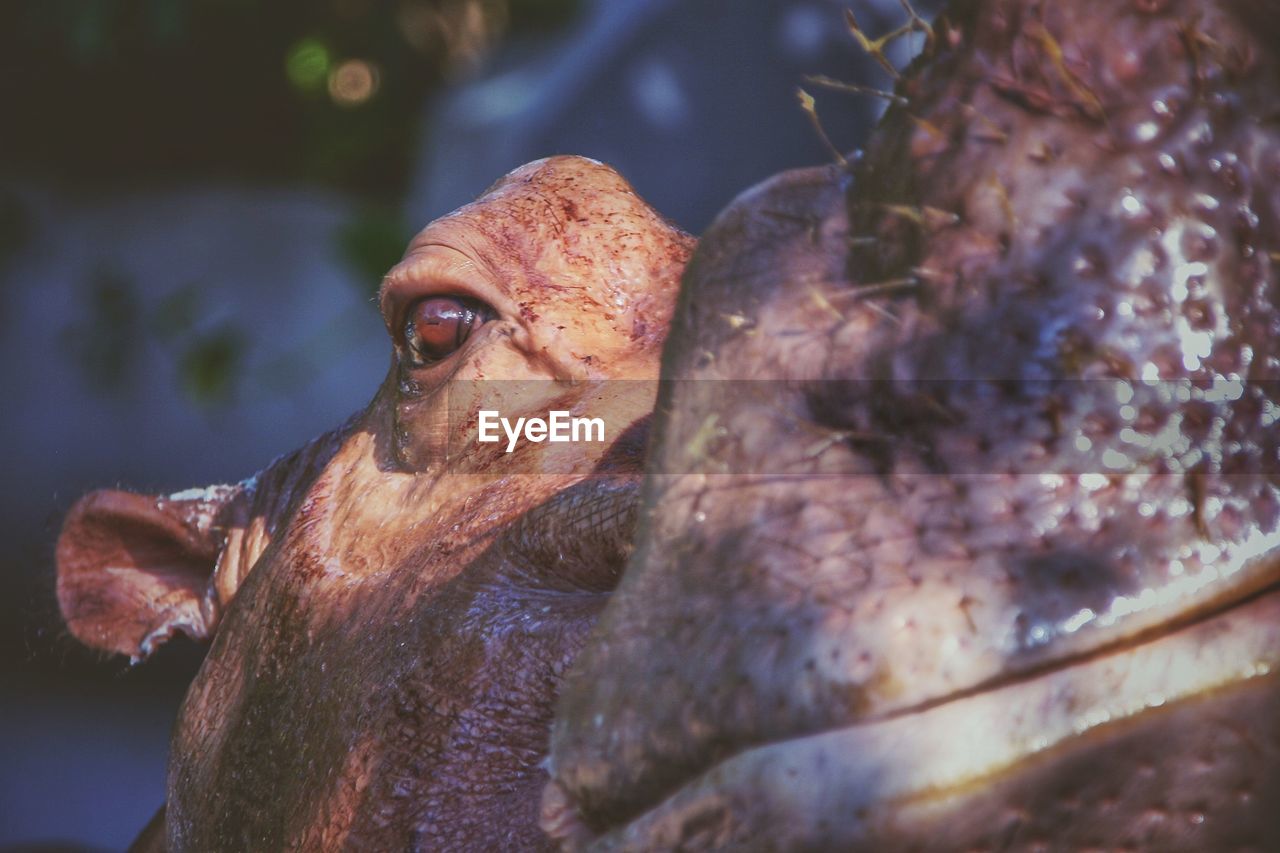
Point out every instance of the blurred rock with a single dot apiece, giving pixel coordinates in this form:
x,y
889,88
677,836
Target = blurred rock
x,y
692,102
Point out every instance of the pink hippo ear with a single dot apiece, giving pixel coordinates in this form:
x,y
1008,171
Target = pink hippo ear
x,y
134,569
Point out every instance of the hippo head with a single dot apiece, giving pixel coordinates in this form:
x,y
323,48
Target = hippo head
x,y
392,607
963,509
959,528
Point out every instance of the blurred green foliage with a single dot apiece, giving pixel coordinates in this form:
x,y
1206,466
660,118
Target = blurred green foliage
x,y
99,92
114,327
15,225
210,365
176,314
104,95
105,339
371,243
308,64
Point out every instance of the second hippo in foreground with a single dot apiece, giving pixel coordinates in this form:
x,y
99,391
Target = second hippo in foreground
x,y
998,567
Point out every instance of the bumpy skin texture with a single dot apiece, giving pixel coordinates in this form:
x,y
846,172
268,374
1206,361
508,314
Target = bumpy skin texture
x,y
940,494
385,676
396,605
921,588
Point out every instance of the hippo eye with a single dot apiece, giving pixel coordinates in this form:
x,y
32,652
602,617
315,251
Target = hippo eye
x,y
438,326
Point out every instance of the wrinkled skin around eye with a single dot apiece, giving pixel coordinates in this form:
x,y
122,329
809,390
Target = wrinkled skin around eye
x,y
393,621
438,326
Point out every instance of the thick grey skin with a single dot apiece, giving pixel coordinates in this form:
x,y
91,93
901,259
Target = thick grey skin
x,y
831,568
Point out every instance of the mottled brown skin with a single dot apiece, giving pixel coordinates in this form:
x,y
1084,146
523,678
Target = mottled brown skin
x,y
904,594
395,605
920,588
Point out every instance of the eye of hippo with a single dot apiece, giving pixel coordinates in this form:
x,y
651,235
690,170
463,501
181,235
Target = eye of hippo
x,y
393,607
436,327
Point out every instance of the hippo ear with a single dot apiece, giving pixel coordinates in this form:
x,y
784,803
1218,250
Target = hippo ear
x,y
134,569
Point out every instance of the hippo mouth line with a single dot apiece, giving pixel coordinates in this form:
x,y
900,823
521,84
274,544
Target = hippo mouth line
x,y
956,743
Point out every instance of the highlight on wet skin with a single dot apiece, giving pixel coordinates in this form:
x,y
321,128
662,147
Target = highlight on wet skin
x,y
932,501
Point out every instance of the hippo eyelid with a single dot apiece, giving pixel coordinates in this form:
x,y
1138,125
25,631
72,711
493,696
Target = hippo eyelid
x,y
434,270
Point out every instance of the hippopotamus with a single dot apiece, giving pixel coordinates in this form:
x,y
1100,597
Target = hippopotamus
x,y
951,523
390,621
962,523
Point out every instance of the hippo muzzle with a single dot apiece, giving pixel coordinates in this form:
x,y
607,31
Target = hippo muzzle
x,y
964,493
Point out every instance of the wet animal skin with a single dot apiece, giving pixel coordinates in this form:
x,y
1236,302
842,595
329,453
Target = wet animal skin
x,y
390,621
957,530
987,559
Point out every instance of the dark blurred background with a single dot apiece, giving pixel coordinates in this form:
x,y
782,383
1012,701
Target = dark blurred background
x,y
197,201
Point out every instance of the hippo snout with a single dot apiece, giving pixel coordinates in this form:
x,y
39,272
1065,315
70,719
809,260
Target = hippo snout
x,y
963,502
